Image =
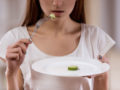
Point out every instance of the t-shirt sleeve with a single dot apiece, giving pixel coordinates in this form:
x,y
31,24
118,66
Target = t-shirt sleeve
x,y
105,42
5,41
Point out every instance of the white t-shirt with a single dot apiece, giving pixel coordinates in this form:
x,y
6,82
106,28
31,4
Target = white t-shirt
x,y
93,42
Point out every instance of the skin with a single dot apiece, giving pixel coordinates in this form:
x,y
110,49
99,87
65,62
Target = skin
x,y
101,81
61,36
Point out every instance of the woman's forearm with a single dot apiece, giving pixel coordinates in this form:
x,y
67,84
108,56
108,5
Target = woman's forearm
x,y
101,82
12,82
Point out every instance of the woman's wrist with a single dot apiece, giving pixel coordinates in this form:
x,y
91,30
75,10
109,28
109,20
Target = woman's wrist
x,y
101,82
10,73
102,77
12,81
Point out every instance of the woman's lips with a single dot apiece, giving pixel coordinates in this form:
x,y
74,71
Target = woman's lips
x,y
58,13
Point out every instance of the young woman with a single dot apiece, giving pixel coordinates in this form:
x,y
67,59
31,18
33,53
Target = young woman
x,y
66,35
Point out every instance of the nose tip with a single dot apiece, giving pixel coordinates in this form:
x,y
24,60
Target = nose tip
x,y
57,2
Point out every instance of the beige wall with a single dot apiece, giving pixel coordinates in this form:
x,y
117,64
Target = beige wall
x,y
11,13
92,11
106,14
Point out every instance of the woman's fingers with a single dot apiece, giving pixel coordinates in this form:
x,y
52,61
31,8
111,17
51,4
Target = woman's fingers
x,y
19,48
92,76
22,41
12,56
23,47
103,59
23,44
15,55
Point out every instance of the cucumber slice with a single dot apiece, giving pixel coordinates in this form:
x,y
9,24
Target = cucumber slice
x,y
52,16
73,68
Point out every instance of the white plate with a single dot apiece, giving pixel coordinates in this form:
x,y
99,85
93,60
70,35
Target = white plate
x,y
59,66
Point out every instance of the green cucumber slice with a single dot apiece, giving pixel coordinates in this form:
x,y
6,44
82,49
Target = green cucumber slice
x,y
52,16
73,68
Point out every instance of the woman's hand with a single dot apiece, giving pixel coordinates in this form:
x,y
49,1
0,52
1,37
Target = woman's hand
x,y
101,81
15,55
103,60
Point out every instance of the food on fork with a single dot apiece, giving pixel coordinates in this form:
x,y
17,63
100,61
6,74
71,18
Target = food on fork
x,y
52,16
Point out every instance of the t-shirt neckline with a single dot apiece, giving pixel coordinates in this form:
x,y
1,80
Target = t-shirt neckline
x,y
46,54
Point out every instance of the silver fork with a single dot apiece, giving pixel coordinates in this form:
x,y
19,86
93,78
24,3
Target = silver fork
x,y
37,25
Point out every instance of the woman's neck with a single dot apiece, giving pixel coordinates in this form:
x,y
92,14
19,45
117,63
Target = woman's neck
x,y
60,25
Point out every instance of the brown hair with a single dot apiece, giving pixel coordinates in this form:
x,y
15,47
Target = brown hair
x,y
34,12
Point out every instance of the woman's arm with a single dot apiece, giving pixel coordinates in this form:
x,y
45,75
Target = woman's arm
x,y
14,58
20,80
12,82
11,78
15,81
101,81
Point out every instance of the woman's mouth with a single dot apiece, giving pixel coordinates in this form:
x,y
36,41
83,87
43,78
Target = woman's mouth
x,y
58,12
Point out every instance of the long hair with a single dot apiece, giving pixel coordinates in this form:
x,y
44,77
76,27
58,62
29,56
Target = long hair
x,y
34,12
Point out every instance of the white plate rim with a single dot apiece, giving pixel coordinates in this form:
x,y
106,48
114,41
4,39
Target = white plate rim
x,y
88,60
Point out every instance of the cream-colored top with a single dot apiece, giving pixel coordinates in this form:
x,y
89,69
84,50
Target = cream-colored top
x,y
94,41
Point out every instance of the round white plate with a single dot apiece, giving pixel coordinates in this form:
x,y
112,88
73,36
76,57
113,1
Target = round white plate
x,y
59,66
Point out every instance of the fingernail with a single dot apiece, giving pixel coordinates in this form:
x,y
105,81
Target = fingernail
x,y
100,57
30,40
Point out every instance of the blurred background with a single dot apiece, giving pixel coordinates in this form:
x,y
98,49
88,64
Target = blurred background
x,y
102,13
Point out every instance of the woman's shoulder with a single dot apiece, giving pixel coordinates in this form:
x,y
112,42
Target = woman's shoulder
x,y
92,30
17,29
18,32
15,34
100,40
89,27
